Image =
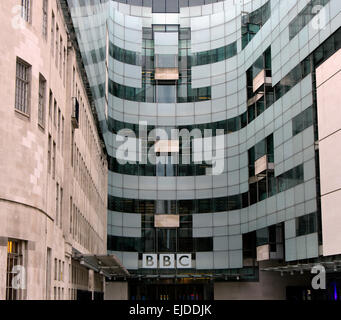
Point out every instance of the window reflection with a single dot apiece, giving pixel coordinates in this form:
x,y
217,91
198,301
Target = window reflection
x,y
282,183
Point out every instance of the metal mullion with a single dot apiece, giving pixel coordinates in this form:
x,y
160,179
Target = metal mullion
x,y
22,96
20,102
25,102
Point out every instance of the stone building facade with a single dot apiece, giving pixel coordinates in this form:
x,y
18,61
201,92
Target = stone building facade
x,y
53,164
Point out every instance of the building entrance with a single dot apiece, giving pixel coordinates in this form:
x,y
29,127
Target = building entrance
x,y
172,291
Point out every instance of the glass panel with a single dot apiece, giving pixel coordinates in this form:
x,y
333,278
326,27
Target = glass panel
x,y
166,61
159,6
172,6
148,238
185,243
203,244
166,240
262,236
166,93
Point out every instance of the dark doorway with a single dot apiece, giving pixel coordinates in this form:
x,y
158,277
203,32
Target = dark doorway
x,y
83,295
168,290
305,293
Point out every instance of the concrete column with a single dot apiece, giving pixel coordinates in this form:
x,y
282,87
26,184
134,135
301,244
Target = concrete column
x,y
91,284
116,291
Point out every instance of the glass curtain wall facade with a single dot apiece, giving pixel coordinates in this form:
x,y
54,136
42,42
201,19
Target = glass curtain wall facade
x,y
241,72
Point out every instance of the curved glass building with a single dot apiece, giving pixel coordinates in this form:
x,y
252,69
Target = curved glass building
x,y
210,115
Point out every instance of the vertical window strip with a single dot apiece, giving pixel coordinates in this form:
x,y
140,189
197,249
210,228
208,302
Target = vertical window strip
x,y
22,86
57,53
41,102
45,19
52,33
26,10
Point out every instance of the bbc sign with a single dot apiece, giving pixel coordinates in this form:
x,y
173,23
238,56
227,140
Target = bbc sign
x,y
167,261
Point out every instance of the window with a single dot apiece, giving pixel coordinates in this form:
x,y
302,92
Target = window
x,y
55,113
302,121
166,61
214,55
166,93
41,101
45,19
60,56
54,160
58,127
290,178
70,215
55,269
26,10
48,274
203,244
15,259
52,33
64,67
165,6
57,49
70,276
73,81
306,224
166,240
57,203
22,88
72,147
252,22
159,6
49,154
50,104
304,17
62,136
60,208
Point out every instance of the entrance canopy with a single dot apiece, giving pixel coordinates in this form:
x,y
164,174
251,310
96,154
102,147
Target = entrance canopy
x,y
330,266
107,265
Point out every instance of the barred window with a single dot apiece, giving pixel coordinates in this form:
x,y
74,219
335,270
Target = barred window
x,y
26,10
45,19
41,102
23,74
15,260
